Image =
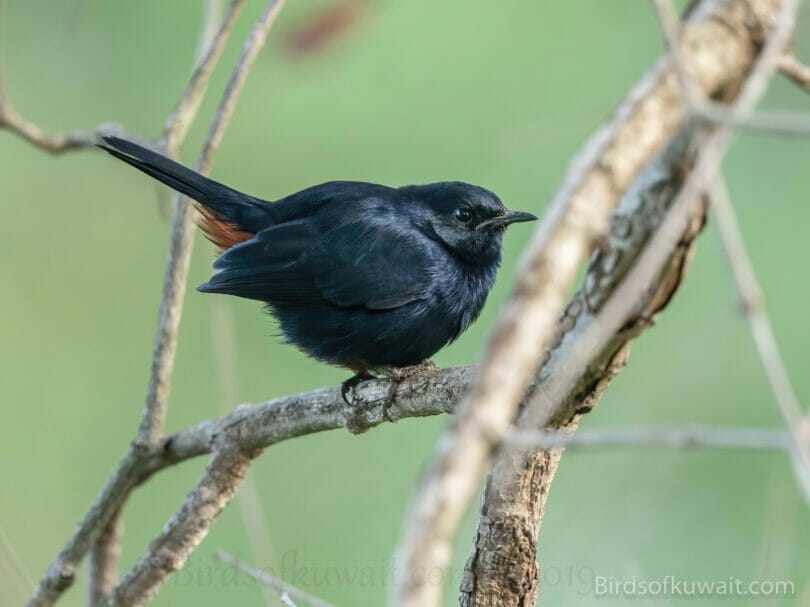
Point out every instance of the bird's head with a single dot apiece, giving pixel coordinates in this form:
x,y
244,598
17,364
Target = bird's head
x,y
467,219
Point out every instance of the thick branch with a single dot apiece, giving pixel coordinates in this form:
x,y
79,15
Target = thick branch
x,y
262,425
169,551
501,569
643,124
256,426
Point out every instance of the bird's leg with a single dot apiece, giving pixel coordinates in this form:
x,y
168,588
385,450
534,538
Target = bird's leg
x,y
349,384
394,374
397,374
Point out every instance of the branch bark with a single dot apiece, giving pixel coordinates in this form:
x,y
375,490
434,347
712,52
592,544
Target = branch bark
x,y
644,123
102,572
169,551
255,427
502,568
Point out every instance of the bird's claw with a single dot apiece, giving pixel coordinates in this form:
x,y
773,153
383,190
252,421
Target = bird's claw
x,y
348,385
397,374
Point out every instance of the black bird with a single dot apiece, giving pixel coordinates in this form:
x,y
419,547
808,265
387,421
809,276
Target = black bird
x,y
359,275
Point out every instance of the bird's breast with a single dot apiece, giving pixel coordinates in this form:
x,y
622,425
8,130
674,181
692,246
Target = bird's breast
x,y
463,296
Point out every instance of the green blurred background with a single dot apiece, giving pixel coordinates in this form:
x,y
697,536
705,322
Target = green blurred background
x,y
499,94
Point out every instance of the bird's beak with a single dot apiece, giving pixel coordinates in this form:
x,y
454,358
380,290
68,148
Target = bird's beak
x,y
509,217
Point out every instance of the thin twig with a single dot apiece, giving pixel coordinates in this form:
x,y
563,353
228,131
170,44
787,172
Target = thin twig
x,y
12,120
103,568
229,463
797,71
61,572
181,118
17,571
695,437
791,124
55,143
211,18
742,268
102,572
251,509
268,579
181,240
762,331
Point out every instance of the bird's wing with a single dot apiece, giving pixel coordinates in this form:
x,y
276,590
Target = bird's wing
x,y
356,264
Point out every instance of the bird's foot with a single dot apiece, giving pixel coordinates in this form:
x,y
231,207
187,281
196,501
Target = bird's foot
x,y
397,374
348,385
394,374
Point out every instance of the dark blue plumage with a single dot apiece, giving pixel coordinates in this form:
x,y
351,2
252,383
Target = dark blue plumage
x,y
357,274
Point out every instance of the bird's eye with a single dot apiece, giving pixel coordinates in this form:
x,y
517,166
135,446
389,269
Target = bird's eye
x,y
463,215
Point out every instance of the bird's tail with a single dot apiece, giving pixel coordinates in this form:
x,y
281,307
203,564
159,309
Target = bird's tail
x,y
227,217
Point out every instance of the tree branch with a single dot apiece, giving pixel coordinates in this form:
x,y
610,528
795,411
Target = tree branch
x,y
798,72
742,268
228,464
186,529
257,426
55,143
109,502
643,124
262,425
182,235
103,568
695,437
762,332
502,570
777,123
